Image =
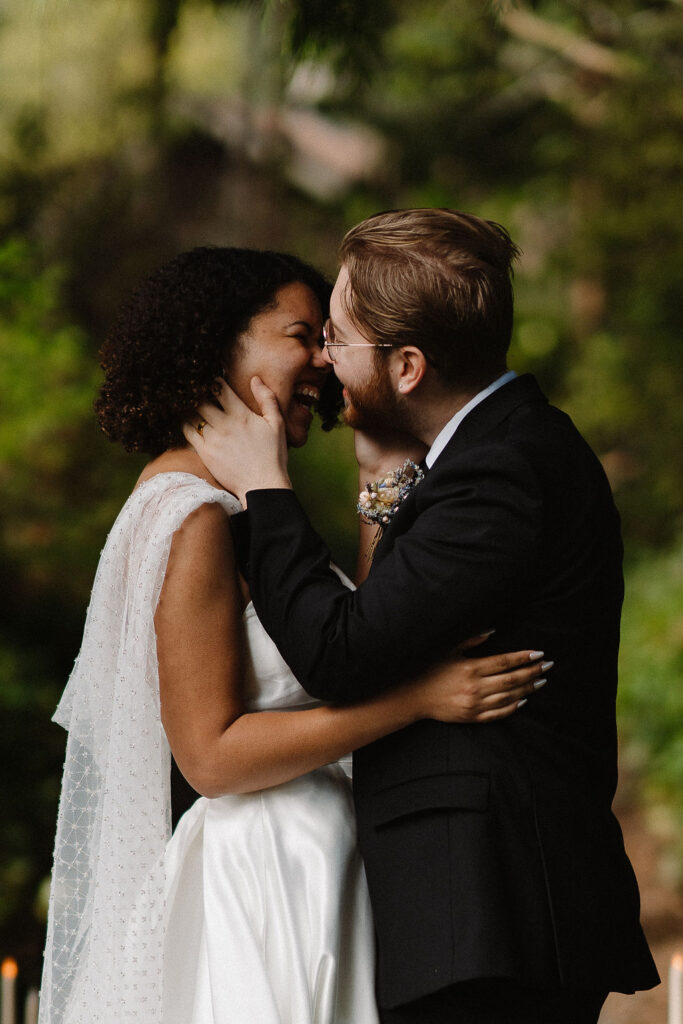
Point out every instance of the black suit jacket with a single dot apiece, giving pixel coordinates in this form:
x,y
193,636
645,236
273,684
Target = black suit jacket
x,y
490,850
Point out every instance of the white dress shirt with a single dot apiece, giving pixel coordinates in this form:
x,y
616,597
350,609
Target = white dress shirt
x,y
444,436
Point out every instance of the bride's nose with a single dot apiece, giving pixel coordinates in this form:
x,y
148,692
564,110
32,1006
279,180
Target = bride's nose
x,y
319,360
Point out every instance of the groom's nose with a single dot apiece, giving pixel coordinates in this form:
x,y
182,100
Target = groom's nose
x,y
325,353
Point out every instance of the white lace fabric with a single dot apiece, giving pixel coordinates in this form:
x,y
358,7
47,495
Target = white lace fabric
x,y
103,957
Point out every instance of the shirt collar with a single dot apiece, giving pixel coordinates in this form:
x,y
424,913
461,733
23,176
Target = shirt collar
x,y
444,436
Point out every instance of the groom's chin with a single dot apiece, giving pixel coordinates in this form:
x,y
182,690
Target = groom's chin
x,y
378,417
350,417
359,419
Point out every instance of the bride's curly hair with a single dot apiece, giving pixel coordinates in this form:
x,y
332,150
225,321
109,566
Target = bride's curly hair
x,y
174,335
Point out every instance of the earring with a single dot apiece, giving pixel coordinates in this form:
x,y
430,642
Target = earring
x,y
400,387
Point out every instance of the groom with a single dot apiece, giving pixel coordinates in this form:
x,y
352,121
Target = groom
x,y
499,882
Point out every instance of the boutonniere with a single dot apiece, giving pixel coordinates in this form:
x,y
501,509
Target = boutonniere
x,y
380,501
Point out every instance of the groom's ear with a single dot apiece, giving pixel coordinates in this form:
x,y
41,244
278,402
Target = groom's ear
x,y
411,367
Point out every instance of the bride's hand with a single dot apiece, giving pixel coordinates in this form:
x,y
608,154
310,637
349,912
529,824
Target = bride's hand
x,y
480,689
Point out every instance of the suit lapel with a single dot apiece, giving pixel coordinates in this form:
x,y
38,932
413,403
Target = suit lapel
x,y
399,524
486,416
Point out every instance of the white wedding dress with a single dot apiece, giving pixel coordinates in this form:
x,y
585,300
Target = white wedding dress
x,y
255,911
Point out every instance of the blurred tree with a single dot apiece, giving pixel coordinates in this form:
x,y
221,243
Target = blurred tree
x,y
562,121
651,695
55,507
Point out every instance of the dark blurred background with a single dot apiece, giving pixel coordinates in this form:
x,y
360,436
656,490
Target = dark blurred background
x,y
133,129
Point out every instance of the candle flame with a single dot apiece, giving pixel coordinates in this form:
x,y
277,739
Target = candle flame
x,y
9,968
677,961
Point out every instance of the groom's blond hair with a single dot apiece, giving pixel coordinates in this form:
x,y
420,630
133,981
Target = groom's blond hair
x,y
438,279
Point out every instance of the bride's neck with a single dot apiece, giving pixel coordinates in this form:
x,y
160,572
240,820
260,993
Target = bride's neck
x,y
177,460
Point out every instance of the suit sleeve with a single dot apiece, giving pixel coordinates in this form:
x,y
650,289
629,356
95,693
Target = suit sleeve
x,y
463,565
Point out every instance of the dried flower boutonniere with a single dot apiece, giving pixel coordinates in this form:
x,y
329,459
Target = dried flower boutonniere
x,y
380,500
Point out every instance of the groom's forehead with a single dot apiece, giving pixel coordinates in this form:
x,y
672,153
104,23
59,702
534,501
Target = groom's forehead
x,y
342,286
341,300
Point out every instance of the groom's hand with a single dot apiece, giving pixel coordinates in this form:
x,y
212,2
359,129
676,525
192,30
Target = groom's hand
x,y
242,449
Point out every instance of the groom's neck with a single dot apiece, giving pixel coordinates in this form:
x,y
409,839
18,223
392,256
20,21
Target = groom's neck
x,y
432,412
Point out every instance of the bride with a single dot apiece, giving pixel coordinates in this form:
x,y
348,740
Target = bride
x,y
255,908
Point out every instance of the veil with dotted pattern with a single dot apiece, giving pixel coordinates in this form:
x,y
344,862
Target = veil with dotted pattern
x,y
104,951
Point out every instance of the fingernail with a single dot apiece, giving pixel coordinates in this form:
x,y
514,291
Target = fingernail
x,y
547,665
539,683
536,654
487,632
522,702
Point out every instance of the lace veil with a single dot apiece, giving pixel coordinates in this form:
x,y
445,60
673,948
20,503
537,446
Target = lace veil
x,y
103,958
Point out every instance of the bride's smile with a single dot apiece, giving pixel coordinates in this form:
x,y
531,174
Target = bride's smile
x,y
282,346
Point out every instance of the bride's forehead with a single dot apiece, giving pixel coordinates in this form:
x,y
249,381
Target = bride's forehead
x,y
297,296
293,304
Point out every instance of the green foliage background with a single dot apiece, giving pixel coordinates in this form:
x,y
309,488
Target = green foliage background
x,y
132,129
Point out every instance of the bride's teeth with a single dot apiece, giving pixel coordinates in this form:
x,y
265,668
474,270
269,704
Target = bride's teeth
x,y
307,392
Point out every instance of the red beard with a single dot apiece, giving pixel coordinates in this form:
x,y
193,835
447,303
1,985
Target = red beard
x,y
374,404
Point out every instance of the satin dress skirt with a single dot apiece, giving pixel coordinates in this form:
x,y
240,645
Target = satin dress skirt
x,y
268,918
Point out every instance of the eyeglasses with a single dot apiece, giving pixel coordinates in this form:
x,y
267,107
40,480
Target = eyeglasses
x,y
331,345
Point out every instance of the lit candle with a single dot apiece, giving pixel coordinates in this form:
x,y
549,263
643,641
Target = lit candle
x,y
675,989
31,1007
8,972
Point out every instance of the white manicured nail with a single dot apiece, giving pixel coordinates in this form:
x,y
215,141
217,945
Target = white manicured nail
x,y
547,665
535,655
522,702
539,683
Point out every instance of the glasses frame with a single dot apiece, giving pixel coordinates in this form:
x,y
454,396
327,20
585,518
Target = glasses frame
x,y
330,345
